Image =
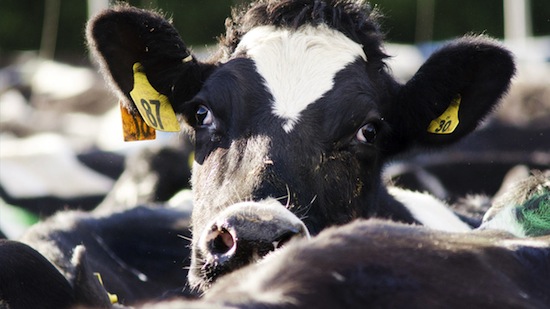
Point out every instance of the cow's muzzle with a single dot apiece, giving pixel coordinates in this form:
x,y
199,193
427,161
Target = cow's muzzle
x,y
245,232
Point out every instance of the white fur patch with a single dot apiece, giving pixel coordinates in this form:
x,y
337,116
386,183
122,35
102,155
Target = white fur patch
x,y
298,66
505,220
430,211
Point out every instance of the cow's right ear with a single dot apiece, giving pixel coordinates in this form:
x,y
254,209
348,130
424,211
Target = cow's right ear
x,y
122,36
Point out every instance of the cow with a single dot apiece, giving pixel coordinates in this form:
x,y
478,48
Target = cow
x,y
93,259
294,117
523,209
140,252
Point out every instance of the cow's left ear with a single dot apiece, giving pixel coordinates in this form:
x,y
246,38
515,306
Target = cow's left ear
x,y
450,94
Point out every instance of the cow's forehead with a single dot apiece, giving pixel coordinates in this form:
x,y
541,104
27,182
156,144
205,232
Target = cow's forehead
x,y
298,65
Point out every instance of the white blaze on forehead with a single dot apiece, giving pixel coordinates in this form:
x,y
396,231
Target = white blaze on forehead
x,y
298,66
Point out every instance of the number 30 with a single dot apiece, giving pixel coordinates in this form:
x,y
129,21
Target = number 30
x,y
443,126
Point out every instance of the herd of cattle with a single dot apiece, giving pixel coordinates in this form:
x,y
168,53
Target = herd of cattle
x,y
317,181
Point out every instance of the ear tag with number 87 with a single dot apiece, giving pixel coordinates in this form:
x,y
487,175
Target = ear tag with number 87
x,y
154,107
448,121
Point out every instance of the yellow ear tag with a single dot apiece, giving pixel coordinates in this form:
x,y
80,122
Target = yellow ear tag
x,y
112,297
153,106
134,127
448,121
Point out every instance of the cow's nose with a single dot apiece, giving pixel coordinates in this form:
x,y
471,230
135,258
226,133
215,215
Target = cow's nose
x,y
248,241
246,232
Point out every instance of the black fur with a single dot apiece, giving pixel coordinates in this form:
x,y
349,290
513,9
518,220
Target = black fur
x,y
353,18
24,275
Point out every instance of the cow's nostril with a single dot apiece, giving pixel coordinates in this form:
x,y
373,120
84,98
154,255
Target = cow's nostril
x,y
222,242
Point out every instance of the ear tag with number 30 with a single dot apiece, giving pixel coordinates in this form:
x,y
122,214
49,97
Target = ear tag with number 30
x,y
154,107
448,121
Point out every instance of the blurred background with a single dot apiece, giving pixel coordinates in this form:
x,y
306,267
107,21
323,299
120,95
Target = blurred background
x,y
61,144
55,27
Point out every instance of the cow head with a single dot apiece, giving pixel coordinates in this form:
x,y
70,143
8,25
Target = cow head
x,y
295,118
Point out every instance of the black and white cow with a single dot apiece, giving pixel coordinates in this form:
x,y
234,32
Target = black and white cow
x,y
296,117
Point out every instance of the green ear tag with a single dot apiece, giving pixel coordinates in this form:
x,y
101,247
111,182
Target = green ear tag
x,y
448,121
153,106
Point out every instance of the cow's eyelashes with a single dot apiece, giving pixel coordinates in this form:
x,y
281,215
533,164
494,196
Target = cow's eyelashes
x,y
203,116
367,133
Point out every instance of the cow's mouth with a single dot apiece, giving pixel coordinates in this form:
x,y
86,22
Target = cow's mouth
x,y
240,235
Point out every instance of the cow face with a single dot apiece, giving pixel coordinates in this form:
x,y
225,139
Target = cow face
x,y
272,123
294,121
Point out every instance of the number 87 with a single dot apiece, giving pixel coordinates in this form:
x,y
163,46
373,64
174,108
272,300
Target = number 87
x,y
154,119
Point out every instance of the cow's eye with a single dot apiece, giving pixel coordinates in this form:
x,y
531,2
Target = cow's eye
x,y
367,133
204,116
